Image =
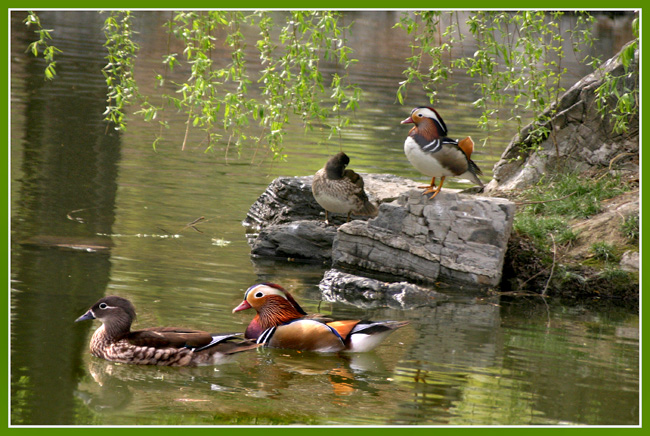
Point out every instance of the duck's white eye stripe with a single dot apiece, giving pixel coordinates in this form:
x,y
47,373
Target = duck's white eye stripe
x,y
264,290
430,114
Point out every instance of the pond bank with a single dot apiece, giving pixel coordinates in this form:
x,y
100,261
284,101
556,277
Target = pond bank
x,y
600,260
577,190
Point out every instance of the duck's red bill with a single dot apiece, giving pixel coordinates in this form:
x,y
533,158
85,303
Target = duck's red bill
x,y
242,306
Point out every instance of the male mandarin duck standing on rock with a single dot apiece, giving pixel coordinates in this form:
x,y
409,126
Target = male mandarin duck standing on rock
x,y
339,190
432,153
281,323
165,346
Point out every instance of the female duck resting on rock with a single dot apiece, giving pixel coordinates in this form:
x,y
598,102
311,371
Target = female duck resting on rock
x,y
168,346
281,323
339,190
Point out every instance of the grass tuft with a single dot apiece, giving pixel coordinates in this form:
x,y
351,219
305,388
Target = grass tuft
x,y
583,195
551,204
630,228
604,251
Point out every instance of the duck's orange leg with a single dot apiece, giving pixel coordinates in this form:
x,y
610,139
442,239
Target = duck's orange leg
x,y
442,180
430,188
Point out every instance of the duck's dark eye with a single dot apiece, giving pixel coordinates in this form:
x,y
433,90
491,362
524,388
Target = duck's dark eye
x,y
103,306
420,115
259,294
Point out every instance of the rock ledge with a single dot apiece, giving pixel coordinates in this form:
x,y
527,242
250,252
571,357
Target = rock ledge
x,y
455,238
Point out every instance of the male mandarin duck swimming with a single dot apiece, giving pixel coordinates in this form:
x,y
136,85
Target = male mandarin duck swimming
x,y
339,190
281,323
166,346
432,153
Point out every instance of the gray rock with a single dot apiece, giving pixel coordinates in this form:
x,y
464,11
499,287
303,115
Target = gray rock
x,y
630,261
287,222
337,286
580,137
286,199
455,238
296,240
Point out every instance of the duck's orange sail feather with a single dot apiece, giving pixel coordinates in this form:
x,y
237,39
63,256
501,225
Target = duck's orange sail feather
x,y
467,145
343,327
